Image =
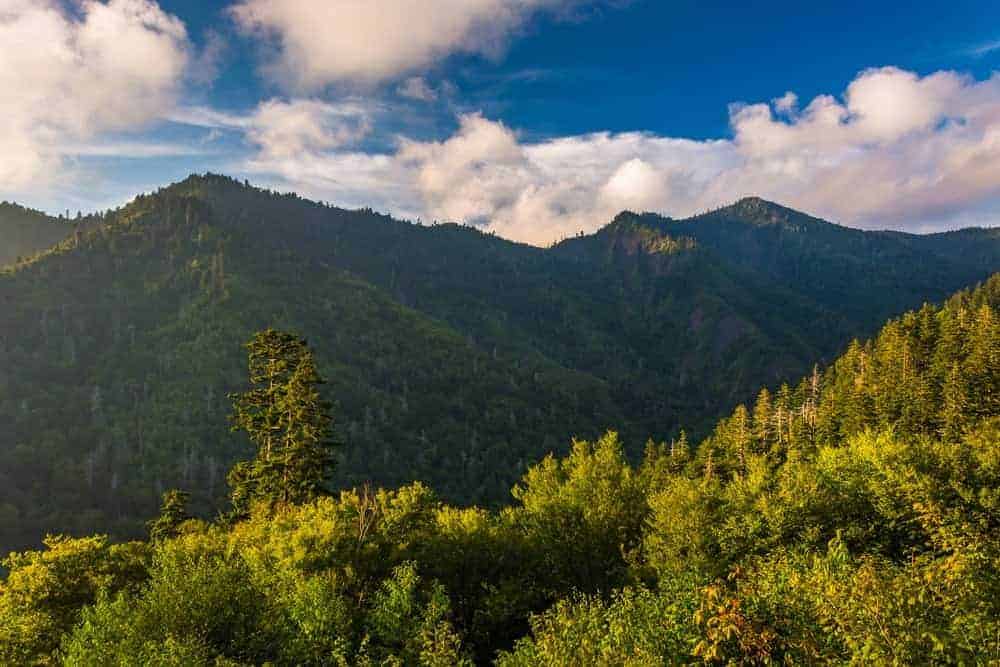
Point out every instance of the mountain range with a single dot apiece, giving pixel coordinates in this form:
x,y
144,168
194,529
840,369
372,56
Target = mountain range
x,y
453,356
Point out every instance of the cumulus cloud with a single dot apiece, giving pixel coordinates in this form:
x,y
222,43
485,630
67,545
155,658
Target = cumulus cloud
x,y
538,192
485,175
898,147
894,150
287,129
787,103
70,75
369,41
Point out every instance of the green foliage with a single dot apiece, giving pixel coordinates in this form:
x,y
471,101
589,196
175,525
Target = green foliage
x,y
411,627
173,513
44,591
214,595
583,515
288,422
931,372
635,627
198,597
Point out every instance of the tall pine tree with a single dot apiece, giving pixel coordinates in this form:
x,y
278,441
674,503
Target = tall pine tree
x,y
287,420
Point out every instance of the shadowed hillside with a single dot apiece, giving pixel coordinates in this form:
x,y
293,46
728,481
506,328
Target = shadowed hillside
x,y
24,232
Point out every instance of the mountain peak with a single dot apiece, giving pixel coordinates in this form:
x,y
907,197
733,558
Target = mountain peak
x,y
754,200
759,205
629,235
631,218
761,212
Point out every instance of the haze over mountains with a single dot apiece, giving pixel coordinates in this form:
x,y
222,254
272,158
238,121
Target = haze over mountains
x,y
455,357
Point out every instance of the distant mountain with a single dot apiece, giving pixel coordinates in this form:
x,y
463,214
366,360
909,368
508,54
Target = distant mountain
x,y
455,357
977,248
867,276
24,232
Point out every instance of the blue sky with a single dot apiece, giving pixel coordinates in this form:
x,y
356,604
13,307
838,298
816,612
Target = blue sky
x,y
534,118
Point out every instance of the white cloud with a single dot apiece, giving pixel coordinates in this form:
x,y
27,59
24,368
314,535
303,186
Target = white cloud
x,y
70,76
287,129
899,148
896,150
133,149
469,176
636,184
368,41
787,103
201,116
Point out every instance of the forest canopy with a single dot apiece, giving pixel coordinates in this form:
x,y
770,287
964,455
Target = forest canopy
x,y
853,517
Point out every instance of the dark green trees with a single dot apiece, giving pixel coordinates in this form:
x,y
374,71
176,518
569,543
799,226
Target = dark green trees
x,y
287,420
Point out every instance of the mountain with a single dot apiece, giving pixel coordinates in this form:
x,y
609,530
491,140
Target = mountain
x,y
866,276
852,519
24,232
976,247
455,357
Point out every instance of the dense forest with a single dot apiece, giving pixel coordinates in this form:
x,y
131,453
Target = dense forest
x,y
455,358
850,517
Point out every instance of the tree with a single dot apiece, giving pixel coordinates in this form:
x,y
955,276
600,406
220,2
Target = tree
x,y
287,420
763,420
583,514
740,433
173,513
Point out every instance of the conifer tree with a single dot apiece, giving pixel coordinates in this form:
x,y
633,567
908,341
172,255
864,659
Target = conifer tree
x,y
173,512
763,420
287,420
740,434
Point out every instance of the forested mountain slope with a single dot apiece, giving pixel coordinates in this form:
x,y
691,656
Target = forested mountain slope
x,y
933,372
863,275
24,232
455,357
118,354
852,519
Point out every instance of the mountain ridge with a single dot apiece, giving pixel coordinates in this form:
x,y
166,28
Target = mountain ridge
x,y
832,263
25,232
456,356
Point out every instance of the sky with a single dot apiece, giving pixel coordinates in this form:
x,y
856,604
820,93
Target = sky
x,y
534,119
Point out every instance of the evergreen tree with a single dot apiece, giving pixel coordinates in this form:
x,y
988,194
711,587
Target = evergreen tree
x,y
287,420
763,420
740,434
173,513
